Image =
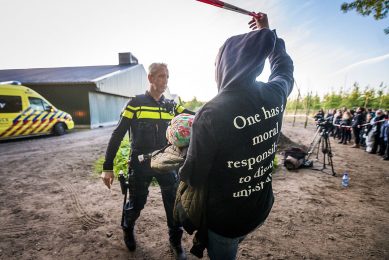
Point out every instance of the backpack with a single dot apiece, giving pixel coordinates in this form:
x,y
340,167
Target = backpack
x,y
294,158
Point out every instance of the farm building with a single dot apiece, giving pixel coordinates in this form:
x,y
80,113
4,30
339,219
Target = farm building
x,y
93,95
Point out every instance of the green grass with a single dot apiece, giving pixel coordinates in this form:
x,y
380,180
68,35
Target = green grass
x,y
275,163
121,161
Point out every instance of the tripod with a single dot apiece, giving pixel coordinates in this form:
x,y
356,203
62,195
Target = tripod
x,y
322,138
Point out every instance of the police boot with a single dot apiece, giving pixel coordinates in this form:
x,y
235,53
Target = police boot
x,y
129,238
178,251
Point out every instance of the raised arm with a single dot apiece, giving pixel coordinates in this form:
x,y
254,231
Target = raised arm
x,y
280,63
281,67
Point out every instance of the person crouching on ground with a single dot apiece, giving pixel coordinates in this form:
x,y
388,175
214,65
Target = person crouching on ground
x,y
234,137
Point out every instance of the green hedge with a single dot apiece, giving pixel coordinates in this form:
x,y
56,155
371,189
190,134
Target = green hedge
x,y
121,160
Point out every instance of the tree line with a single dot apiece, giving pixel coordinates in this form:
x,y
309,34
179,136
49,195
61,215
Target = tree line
x,y
367,97
192,105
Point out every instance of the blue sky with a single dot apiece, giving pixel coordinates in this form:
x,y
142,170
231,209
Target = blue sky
x,y
330,49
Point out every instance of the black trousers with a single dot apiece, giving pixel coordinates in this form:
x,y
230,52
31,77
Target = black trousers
x,y
139,182
357,135
346,134
379,145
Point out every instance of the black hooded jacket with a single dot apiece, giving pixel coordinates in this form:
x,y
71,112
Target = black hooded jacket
x,y
234,136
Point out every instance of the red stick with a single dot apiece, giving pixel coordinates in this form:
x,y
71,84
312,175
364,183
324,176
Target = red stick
x,y
230,7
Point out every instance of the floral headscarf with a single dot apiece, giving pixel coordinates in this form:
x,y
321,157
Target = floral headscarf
x,y
178,132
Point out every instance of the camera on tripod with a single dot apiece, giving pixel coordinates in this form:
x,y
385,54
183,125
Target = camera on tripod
x,y
321,139
324,123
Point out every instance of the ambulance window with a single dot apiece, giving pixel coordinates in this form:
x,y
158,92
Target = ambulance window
x,y
10,104
46,106
36,103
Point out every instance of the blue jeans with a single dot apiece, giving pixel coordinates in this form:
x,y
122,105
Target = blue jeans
x,y
222,248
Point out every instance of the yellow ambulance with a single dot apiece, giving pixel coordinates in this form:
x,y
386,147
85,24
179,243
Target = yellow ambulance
x,y
23,112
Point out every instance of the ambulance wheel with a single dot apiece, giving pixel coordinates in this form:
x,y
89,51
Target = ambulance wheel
x,y
59,129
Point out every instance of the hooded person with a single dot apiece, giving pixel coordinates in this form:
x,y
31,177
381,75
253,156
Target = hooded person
x,y
234,137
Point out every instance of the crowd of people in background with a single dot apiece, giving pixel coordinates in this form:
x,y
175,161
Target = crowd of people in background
x,y
368,128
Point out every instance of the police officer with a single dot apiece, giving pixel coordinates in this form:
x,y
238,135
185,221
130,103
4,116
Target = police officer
x,y
146,117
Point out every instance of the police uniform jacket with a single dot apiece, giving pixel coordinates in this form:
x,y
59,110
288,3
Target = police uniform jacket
x,y
146,120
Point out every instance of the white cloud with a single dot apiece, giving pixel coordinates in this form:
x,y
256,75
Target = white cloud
x,y
363,63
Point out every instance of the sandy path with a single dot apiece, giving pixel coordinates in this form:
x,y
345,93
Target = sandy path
x,y
52,206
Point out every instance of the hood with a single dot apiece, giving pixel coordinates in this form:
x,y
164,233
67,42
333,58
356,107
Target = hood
x,y
242,57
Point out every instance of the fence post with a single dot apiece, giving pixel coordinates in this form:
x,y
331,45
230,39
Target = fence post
x,y
308,108
297,103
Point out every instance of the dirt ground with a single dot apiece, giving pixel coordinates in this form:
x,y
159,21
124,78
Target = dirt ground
x,y
52,206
